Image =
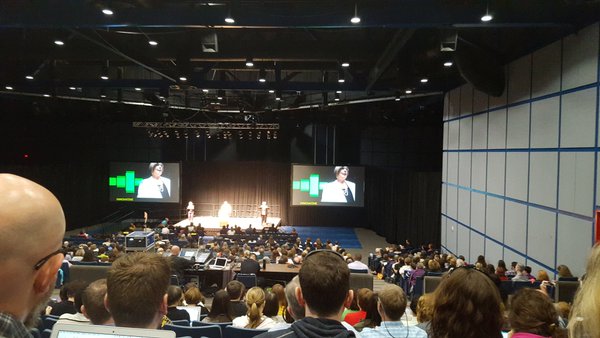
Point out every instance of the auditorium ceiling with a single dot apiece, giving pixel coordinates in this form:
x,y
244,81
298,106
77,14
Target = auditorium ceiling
x,y
305,55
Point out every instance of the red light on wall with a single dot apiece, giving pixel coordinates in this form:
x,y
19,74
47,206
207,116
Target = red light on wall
x,y
25,155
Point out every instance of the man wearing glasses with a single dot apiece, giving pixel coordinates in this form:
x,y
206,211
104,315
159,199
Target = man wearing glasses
x,y
32,227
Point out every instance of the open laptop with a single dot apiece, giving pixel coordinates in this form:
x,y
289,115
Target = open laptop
x,y
61,330
219,264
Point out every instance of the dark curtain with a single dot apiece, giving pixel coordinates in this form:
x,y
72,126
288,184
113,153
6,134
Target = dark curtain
x,y
404,205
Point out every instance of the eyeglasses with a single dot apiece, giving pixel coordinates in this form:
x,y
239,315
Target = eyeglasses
x,y
43,261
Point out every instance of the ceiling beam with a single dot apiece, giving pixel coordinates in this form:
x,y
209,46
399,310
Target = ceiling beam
x,y
388,56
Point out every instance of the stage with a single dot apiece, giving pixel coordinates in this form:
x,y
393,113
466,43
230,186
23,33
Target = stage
x,y
211,222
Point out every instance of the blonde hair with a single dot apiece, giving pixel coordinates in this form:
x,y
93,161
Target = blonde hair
x,y
255,299
583,321
425,308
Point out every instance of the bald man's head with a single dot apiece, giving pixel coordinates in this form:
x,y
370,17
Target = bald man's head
x,y
175,250
32,227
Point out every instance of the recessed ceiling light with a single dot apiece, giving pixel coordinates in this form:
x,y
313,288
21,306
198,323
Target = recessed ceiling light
x,y
107,11
424,80
271,91
229,19
262,80
59,42
9,88
345,64
338,91
104,77
277,98
249,62
46,95
182,78
152,43
448,64
487,17
102,96
205,90
355,20
408,91
341,80
138,89
29,77
72,88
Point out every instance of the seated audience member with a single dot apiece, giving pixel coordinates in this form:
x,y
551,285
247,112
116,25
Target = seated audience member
x,y
542,276
563,271
467,305
532,314
195,303
357,265
219,310
237,305
279,291
178,264
418,272
67,303
77,287
322,273
93,303
563,309
362,300
425,311
521,274
353,306
175,299
271,309
372,317
254,318
294,310
583,320
137,286
391,306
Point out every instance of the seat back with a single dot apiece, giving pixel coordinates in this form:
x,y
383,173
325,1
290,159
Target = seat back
x,y
238,332
181,322
565,291
430,283
49,322
361,280
248,279
210,331
359,271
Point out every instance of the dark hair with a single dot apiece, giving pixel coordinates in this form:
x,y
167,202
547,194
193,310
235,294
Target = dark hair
x,y
235,289
466,293
271,304
174,294
220,305
76,288
323,273
532,312
136,285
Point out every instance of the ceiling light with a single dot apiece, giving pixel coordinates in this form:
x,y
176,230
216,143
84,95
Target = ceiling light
x,y
9,88
338,91
448,64
220,94
104,77
72,88
408,91
271,91
345,64
397,98
59,42
341,78
182,78
262,75
487,17
29,77
138,89
229,19
424,80
205,90
46,95
152,43
103,96
336,97
355,19
107,11
249,62
278,96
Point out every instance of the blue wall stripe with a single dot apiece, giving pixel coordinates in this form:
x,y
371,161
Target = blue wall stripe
x,y
596,142
539,98
501,244
524,150
529,204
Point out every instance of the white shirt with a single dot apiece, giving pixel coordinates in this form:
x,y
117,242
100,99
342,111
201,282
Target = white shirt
x,y
266,322
334,192
358,265
150,187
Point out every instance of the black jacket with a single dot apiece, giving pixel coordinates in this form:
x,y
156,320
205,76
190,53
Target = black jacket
x,y
311,328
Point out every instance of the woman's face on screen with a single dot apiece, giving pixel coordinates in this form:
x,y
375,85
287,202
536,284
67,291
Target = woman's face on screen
x,y
157,171
342,174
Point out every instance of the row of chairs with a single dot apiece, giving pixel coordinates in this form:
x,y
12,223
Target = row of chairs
x,y
210,330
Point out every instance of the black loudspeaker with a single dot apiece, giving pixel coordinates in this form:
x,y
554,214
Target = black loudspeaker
x,y
480,67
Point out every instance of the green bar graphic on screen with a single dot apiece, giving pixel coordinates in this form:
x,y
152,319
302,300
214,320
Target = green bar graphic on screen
x,y
127,182
314,185
311,185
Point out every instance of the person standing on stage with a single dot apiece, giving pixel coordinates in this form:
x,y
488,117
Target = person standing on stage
x,y
190,211
264,210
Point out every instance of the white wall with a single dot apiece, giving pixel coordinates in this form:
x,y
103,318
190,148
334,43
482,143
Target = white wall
x,y
520,171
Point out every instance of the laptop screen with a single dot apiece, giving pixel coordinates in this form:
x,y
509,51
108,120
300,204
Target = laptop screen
x,y
222,262
101,331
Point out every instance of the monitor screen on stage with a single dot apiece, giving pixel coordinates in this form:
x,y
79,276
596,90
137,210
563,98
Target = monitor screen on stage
x,y
328,185
144,182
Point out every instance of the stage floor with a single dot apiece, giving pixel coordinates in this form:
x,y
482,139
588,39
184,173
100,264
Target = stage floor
x,y
211,222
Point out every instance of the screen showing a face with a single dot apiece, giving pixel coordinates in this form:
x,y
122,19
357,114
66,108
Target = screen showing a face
x,y
328,185
144,182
